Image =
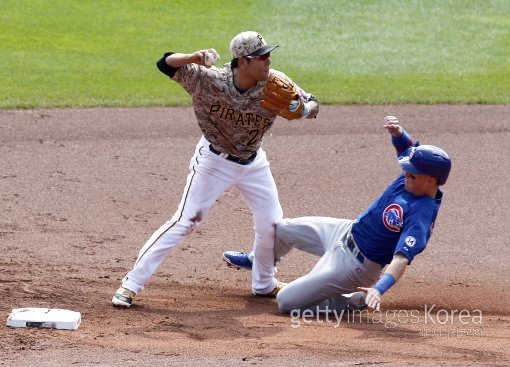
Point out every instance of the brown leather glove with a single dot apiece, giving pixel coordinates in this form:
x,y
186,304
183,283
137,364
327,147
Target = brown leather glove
x,y
280,97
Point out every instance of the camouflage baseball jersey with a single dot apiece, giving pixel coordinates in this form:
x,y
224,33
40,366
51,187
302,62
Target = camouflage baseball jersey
x,y
233,122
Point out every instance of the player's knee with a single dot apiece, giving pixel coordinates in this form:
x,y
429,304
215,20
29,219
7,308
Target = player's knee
x,y
192,223
282,234
279,227
284,302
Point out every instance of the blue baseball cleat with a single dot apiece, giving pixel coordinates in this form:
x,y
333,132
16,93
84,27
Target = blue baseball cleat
x,y
239,260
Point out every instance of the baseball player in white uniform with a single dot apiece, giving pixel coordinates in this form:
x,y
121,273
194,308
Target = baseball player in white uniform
x,y
227,104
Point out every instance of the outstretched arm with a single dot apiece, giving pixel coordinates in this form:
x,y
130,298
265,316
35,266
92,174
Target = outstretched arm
x,y
205,58
171,62
393,273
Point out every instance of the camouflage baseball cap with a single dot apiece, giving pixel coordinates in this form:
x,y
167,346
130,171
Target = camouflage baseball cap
x,y
249,44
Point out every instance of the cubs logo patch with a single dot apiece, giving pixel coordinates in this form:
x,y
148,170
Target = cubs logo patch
x,y
393,217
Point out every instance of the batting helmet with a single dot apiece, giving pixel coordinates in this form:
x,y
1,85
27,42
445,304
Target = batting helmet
x,y
428,160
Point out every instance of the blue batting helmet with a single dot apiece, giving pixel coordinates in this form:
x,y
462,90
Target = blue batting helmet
x,y
428,160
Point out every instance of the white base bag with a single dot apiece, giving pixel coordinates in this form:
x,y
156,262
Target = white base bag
x,y
49,318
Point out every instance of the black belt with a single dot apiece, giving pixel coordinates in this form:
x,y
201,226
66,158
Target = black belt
x,y
233,158
351,245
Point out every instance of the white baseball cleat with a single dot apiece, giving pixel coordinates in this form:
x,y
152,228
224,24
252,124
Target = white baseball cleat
x,y
123,298
274,292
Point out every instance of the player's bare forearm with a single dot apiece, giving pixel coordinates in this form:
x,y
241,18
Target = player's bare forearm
x,y
201,57
177,60
394,271
397,267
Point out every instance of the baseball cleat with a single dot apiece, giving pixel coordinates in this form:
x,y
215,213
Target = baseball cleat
x,y
355,301
123,298
274,292
238,260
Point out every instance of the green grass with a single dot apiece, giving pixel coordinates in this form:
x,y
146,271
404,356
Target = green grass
x,y
82,53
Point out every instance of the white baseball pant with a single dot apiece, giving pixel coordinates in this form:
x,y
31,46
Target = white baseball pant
x,y
209,176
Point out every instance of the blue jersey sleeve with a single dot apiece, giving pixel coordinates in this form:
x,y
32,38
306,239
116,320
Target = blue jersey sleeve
x,y
416,233
403,144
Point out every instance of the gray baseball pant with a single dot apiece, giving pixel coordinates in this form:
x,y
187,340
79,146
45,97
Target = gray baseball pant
x,y
337,273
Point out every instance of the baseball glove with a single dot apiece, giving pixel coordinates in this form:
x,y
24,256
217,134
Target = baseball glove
x,y
280,97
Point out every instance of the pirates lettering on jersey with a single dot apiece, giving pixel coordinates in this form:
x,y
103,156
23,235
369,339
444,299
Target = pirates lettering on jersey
x,y
244,119
393,217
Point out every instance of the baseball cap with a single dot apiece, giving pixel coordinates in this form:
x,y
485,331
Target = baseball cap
x,y
428,160
249,44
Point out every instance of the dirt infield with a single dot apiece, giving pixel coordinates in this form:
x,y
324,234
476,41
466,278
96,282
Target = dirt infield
x,y
81,191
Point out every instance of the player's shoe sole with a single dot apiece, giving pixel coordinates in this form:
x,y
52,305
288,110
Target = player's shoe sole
x,y
274,292
238,260
123,298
